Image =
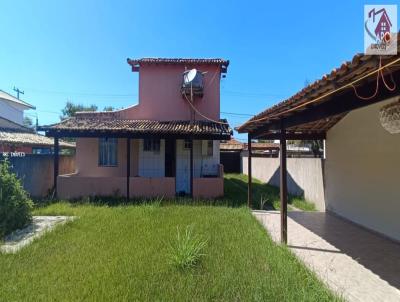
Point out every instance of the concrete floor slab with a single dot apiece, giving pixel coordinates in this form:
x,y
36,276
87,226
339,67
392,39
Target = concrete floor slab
x,y
355,263
40,224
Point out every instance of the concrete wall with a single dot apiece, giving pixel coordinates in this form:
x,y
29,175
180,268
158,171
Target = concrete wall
x,y
362,171
12,111
305,176
36,171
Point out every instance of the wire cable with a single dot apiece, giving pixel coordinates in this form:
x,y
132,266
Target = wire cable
x,y
201,114
326,94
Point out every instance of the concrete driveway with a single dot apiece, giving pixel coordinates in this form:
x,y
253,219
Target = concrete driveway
x,y
355,263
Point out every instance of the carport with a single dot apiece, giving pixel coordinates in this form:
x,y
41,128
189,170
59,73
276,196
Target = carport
x,y
309,114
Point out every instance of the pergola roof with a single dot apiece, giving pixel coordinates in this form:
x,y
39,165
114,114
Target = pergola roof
x,y
92,127
317,102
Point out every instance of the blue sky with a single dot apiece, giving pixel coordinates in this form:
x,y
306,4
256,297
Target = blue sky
x,y
76,50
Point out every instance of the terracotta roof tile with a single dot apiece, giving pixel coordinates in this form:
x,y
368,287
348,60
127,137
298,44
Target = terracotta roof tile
x,y
347,72
218,61
16,137
94,126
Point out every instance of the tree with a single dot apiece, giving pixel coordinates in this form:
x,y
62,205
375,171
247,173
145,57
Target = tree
x,y
70,109
109,108
28,122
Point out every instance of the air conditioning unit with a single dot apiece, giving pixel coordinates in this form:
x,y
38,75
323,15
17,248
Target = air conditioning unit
x,y
192,83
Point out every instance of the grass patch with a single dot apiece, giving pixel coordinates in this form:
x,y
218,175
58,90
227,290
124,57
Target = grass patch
x,y
187,249
235,186
119,253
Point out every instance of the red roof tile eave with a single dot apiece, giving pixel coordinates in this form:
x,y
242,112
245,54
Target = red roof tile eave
x,y
81,126
135,63
342,74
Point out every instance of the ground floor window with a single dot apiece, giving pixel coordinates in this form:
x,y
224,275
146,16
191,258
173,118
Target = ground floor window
x,y
108,148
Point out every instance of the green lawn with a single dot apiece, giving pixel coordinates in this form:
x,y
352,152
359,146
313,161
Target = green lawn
x,y
121,253
236,191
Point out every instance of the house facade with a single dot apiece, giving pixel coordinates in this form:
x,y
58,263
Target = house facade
x,y
166,145
14,136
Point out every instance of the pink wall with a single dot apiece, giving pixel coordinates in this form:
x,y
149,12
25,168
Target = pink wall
x,y
87,157
160,97
74,186
208,187
152,187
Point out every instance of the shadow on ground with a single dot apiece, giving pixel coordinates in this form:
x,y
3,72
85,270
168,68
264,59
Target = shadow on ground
x,y
374,252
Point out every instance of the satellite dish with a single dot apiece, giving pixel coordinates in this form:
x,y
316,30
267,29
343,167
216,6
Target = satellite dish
x,y
192,83
190,76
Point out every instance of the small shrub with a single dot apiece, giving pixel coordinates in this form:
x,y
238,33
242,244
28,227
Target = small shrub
x,y
188,249
15,205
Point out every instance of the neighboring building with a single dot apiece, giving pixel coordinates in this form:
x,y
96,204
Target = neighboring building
x,y
14,136
12,109
230,154
166,145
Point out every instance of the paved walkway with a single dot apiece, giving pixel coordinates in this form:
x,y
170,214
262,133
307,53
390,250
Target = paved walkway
x,y
355,263
40,225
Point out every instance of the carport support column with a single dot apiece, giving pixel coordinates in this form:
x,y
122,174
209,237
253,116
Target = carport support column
x,y
56,162
128,166
191,167
249,181
283,183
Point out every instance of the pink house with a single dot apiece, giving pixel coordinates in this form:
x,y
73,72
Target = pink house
x,y
166,145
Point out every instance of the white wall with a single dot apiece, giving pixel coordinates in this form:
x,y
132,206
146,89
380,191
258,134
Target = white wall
x,y
305,176
202,164
12,111
152,164
363,171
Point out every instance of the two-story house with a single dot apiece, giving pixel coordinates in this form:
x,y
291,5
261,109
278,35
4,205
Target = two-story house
x,y
166,145
14,136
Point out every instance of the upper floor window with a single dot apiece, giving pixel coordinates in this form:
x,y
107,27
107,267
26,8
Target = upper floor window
x,y
108,149
150,144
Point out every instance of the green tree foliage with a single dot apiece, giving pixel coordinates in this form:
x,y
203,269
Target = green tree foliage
x,y
70,109
109,108
15,205
28,122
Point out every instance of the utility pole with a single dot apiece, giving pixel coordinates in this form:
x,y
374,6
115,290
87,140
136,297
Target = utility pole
x,y
18,92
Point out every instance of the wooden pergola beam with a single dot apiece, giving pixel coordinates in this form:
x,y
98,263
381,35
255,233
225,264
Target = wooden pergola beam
x,y
294,136
56,164
249,180
128,166
334,105
283,183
